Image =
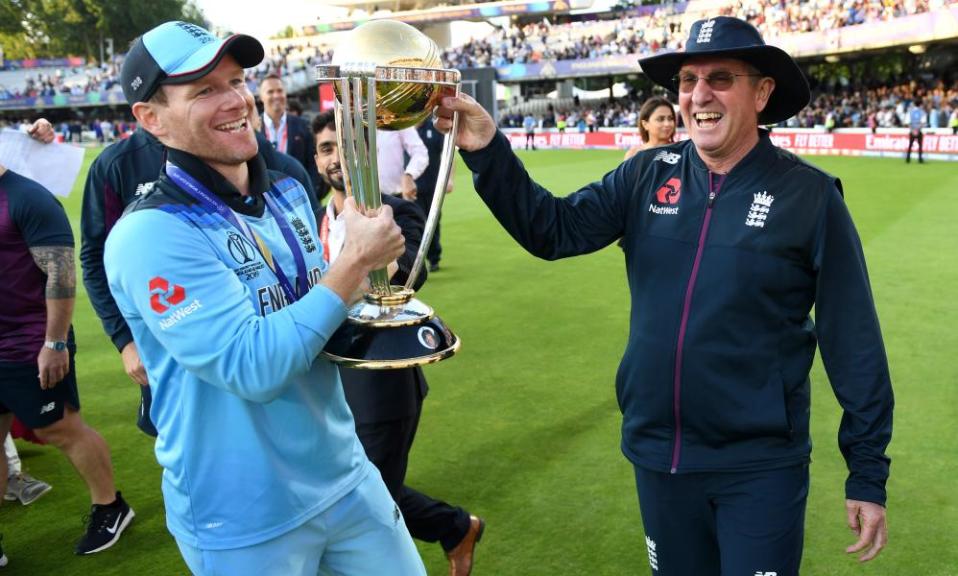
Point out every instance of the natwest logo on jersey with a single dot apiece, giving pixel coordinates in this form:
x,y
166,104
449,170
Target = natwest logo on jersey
x,y
163,296
667,198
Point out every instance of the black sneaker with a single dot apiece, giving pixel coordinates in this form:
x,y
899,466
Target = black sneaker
x,y
104,525
3,557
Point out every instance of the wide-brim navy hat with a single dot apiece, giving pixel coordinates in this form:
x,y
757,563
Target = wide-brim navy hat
x,y
178,53
728,37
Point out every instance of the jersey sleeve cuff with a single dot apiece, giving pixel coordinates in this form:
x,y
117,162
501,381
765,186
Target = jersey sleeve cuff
x,y
323,312
122,338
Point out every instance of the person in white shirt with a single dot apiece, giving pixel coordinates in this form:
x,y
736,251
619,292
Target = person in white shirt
x,y
288,133
397,177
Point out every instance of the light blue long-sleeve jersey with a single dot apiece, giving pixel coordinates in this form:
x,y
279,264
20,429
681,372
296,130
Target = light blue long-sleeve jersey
x,y
255,437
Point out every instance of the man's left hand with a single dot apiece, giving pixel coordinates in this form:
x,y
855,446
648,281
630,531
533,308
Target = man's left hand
x,y
867,520
408,187
42,131
54,366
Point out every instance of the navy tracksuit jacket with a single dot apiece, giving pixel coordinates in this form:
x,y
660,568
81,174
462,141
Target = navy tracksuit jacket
x,y
723,275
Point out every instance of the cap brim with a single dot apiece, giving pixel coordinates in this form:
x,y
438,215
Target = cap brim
x,y
246,50
791,92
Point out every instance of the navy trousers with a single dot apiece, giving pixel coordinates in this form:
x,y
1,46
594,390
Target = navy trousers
x,y
724,523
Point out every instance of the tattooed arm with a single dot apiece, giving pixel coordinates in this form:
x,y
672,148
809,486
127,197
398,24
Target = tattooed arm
x,y
58,265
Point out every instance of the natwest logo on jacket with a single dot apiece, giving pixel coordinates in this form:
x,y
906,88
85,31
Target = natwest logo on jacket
x,y
163,295
667,198
670,192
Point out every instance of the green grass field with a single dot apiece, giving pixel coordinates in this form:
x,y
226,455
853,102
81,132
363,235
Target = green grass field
x,y
522,426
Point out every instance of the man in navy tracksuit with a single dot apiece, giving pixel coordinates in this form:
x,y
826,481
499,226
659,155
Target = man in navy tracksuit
x,y
729,242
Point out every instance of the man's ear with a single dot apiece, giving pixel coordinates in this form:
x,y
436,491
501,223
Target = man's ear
x,y
148,117
763,92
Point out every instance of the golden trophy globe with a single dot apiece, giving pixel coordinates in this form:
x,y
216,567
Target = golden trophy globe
x,y
387,75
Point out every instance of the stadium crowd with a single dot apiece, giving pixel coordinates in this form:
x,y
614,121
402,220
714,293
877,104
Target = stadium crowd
x,y
281,61
662,30
530,43
886,106
50,82
574,41
839,106
777,17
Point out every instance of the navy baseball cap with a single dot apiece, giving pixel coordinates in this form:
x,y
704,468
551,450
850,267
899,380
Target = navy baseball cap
x,y
724,36
179,53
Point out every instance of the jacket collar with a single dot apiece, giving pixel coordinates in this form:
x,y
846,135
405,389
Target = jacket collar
x,y
216,183
759,156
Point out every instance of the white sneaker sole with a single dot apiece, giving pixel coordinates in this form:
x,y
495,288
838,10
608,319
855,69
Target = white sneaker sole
x,y
123,525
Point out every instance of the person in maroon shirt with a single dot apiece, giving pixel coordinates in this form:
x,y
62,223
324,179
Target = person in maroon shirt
x,y
37,376
20,485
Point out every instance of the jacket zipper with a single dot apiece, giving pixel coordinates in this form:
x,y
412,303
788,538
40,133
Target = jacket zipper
x,y
714,188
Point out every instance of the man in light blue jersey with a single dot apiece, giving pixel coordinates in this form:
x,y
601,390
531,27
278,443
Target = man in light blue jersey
x,y
220,276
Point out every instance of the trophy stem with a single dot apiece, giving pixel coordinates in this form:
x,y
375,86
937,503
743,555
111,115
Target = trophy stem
x,y
358,146
439,194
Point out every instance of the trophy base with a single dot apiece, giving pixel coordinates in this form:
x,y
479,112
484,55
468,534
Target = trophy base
x,y
368,347
390,310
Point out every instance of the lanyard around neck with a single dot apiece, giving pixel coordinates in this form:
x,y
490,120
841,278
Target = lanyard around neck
x,y
213,204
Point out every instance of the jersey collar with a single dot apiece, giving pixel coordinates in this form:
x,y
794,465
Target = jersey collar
x,y
216,183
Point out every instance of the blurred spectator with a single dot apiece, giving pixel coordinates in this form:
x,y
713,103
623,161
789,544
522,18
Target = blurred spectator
x,y
657,123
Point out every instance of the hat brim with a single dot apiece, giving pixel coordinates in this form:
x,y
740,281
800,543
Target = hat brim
x,y
791,92
246,50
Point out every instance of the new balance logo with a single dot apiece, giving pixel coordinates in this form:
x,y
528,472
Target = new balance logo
x,y
48,407
705,32
143,189
760,573
667,157
758,212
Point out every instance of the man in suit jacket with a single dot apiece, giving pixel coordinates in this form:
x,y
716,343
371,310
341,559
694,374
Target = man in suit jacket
x,y
386,404
288,133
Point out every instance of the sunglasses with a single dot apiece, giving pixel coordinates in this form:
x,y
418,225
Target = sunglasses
x,y
720,80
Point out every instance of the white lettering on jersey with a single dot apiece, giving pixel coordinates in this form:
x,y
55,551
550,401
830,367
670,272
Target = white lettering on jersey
x,y
668,210
178,314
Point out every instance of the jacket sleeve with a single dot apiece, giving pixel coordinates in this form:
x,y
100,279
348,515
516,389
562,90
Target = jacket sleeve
x,y
547,226
309,162
412,221
853,352
198,312
290,166
100,210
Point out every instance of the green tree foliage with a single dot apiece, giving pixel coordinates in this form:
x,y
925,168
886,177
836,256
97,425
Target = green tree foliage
x,y
56,28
